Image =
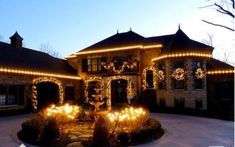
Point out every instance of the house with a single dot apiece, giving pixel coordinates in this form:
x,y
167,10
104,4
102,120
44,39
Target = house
x,y
170,71
30,79
166,71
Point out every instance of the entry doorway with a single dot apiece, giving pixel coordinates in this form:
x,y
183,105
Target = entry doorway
x,y
47,94
118,91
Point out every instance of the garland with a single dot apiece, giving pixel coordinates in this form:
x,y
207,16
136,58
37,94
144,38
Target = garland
x,y
199,73
129,65
160,75
179,74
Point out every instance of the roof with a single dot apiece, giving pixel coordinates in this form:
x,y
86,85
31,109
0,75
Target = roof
x,y
120,40
16,36
28,59
181,42
213,64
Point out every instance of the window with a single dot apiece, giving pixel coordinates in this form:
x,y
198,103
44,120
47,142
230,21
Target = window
x,y
178,84
11,94
149,79
198,83
69,93
94,64
162,83
91,65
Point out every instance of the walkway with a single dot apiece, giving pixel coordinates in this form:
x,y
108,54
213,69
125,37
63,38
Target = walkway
x,y
180,131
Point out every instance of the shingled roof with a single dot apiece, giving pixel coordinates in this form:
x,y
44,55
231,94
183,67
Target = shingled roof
x,y
120,40
181,42
214,64
28,59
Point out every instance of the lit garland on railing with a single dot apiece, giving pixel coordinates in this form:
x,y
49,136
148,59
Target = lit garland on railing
x,y
216,72
36,73
179,74
119,49
199,73
154,77
129,65
176,55
160,75
45,79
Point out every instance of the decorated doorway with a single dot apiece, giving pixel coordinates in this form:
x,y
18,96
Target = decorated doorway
x,y
118,91
48,93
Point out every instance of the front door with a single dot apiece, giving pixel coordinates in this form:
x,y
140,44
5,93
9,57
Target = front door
x,y
118,91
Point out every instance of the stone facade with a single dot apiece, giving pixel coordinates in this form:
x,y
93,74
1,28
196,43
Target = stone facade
x,y
189,93
27,83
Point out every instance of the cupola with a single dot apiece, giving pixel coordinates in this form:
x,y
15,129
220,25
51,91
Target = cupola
x,y
16,40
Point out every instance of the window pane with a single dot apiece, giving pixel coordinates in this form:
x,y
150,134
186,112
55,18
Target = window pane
x,y
12,94
89,64
3,92
179,84
94,64
2,99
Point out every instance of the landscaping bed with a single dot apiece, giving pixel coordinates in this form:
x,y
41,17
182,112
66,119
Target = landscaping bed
x,y
129,126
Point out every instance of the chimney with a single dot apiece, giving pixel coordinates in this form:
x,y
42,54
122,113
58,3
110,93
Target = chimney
x,y
16,40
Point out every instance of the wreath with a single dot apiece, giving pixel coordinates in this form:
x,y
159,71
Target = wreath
x,y
199,73
179,74
160,75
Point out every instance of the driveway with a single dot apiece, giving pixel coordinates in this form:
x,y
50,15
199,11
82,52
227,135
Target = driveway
x,y
180,131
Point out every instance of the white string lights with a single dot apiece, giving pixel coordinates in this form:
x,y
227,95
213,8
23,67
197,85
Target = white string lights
x,y
37,73
45,79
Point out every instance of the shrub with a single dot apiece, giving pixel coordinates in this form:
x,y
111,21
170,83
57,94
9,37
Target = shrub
x,y
150,130
101,133
31,130
50,132
123,138
39,130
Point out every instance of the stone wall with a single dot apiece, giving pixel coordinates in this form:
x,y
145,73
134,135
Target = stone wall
x,y
189,94
27,81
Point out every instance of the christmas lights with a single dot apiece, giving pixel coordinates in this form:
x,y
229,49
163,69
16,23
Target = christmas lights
x,y
160,75
45,79
215,72
199,73
154,77
186,54
119,49
179,74
36,73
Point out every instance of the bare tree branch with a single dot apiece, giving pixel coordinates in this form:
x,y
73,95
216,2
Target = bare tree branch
x,y
233,5
222,10
209,41
47,48
219,25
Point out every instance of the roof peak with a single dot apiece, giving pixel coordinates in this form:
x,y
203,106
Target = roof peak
x,y
16,36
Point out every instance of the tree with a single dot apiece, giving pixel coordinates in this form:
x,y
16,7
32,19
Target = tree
x,y
47,48
224,7
209,41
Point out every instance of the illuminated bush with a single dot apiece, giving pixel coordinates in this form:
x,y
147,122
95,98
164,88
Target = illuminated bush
x,y
63,113
127,120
